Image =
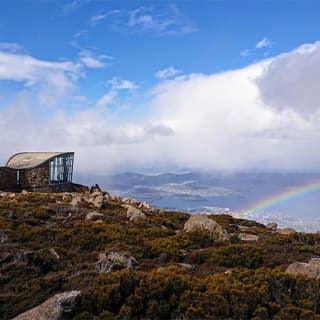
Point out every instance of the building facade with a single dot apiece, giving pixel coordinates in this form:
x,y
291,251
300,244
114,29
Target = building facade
x,y
38,171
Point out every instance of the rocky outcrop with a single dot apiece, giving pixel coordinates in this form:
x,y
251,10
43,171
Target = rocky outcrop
x,y
135,214
248,237
100,200
114,262
96,199
144,205
272,226
93,215
286,231
201,223
76,200
57,307
311,269
242,228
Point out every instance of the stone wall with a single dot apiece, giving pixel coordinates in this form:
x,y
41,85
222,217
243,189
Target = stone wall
x,y
8,178
60,187
35,177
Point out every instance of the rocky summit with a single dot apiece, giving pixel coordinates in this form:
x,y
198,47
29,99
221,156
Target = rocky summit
x,y
98,256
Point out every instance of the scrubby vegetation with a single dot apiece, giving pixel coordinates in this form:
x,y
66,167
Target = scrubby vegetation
x,y
48,247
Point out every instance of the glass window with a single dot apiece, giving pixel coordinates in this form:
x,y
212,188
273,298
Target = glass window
x,y
61,168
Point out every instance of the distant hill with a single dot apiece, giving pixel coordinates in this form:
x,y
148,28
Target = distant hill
x,y
198,192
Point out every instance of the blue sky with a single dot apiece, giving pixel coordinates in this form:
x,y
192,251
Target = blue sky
x,y
125,71
208,37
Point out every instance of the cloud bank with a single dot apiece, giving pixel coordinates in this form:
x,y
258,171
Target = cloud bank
x,y
262,117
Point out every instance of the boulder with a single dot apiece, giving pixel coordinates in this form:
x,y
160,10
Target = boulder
x,y
114,262
286,231
57,307
93,215
248,237
311,269
97,200
242,228
184,265
272,226
201,223
76,200
135,214
144,205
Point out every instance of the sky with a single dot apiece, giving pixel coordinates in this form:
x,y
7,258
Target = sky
x,y
161,85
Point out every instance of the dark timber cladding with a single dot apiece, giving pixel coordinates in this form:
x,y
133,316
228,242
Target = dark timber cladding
x,y
28,170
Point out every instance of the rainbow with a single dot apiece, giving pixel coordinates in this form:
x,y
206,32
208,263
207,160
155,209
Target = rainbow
x,y
270,201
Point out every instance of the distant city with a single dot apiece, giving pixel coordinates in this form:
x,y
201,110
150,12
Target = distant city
x,y
216,193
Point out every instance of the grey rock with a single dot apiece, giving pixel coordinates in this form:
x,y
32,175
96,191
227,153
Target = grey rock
x,y
184,265
76,200
96,199
92,215
57,307
201,223
144,205
114,262
248,237
311,269
135,214
272,226
286,231
243,228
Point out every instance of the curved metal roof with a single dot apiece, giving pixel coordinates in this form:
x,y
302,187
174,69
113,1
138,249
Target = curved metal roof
x,y
29,160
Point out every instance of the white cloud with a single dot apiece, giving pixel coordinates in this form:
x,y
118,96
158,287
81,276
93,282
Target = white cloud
x,y
51,79
115,85
245,52
80,99
168,21
106,99
167,73
291,80
98,18
221,122
263,43
10,46
92,133
72,6
233,120
138,17
93,61
81,33
118,84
